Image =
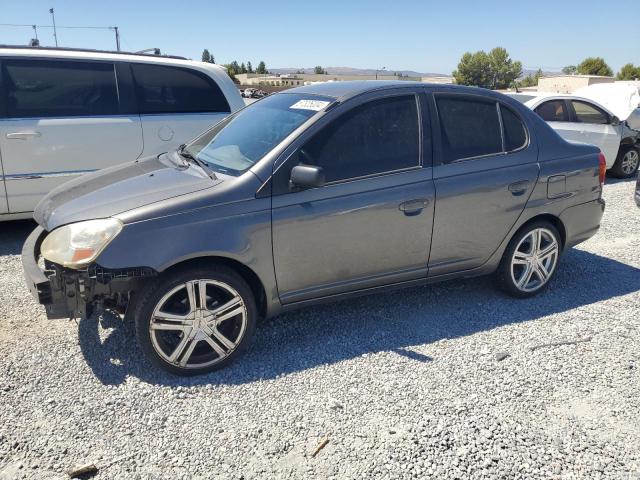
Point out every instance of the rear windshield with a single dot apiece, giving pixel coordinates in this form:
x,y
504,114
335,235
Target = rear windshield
x,y
239,141
522,98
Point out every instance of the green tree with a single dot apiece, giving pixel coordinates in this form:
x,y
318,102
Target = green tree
x,y
629,72
570,70
235,68
207,57
503,70
243,68
249,67
595,66
473,69
489,70
319,70
530,80
262,68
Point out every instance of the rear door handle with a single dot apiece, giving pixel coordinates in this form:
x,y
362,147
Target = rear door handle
x,y
414,207
22,135
519,188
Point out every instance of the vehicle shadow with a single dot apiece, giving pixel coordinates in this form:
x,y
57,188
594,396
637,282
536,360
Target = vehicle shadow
x,y
391,321
13,234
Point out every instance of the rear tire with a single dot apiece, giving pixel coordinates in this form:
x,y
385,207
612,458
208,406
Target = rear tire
x,y
627,162
530,260
197,320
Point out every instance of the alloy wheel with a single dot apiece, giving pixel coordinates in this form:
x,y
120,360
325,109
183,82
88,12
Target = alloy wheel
x,y
630,161
534,260
198,323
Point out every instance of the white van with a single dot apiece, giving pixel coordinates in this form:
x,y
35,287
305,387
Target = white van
x,y
65,112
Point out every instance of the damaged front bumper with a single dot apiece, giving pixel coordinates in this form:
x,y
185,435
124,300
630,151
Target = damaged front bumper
x,y
69,293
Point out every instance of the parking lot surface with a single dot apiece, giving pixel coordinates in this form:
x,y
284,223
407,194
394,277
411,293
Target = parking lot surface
x,y
453,380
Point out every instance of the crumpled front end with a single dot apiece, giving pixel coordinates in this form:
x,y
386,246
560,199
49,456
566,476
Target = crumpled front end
x,y
69,293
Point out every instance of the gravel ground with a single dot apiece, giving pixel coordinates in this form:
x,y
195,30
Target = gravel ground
x,y
431,382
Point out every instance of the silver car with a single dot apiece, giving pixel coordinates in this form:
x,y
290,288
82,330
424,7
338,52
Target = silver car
x,y
314,194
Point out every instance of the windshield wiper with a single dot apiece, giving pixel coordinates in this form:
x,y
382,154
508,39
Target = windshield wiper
x,y
203,165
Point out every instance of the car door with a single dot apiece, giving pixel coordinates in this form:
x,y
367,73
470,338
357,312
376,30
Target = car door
x,y
62,118
370,224
595,128
557,114
484,172
176,104
4,208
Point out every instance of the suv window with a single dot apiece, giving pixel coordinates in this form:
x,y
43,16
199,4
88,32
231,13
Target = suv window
x,y
54,88
469,127
379,136
588,113
162,89
515,135
553,111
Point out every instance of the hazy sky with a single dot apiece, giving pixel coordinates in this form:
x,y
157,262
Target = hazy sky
x,y
418,35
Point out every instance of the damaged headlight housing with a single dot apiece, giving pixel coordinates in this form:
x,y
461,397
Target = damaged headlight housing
x,y
78,244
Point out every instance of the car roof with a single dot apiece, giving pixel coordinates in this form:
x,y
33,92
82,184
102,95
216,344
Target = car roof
x,y
343,90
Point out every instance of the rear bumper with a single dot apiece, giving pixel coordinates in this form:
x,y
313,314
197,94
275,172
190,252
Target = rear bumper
x,y
582,221
67,293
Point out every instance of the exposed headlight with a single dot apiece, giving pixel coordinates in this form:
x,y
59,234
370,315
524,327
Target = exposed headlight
x,y
78,244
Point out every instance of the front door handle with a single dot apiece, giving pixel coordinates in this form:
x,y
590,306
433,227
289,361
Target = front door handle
x,y
414,207
22,135
519,188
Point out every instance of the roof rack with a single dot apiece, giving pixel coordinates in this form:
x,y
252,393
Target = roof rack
x,y
91,50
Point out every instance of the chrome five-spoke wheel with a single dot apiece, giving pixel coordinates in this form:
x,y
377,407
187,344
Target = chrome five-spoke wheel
x,y
196,324
534,260
530,259
630,162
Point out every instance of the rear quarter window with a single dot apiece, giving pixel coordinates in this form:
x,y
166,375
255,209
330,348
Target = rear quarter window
x,y
165,89
515,135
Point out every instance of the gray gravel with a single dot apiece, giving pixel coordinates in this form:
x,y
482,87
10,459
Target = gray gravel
x,y
447,381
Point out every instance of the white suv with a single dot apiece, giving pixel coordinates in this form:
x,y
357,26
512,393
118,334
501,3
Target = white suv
x,y
67,112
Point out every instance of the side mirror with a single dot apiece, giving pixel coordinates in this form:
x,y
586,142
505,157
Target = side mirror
x,y
306,176
615,121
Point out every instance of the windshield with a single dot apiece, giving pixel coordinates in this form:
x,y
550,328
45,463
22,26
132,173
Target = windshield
x,y
239,141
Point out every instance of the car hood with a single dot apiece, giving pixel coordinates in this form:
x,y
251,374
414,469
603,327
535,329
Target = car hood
x,y
118,189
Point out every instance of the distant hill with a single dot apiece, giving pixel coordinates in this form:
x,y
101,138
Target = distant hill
x,y
357,71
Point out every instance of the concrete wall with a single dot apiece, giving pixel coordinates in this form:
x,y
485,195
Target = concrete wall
x,y
569,83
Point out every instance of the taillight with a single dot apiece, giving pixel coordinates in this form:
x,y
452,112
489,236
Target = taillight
x,y
602,167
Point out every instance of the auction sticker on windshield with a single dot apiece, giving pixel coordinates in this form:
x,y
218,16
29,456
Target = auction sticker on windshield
x,y
315,105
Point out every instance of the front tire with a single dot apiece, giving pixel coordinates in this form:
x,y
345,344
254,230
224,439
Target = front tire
x,y
530,260
195,321
627,162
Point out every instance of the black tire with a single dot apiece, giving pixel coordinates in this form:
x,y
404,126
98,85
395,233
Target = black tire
x,y
157,345
621,168
504,277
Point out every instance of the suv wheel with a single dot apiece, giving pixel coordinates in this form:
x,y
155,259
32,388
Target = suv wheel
x,y
530,260
627,162
195,321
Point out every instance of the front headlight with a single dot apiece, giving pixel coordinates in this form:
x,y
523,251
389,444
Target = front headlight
x,y
78,244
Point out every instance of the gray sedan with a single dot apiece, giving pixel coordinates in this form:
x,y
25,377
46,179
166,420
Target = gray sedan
x,y
309,195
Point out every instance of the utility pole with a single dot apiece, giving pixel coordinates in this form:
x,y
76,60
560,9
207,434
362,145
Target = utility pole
x,y
117,38
55,34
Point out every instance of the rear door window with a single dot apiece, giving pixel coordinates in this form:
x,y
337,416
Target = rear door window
x,y
588,113
469,127
55,88
553,111
163,89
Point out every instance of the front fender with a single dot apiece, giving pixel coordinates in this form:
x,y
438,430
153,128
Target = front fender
x,y
240,231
